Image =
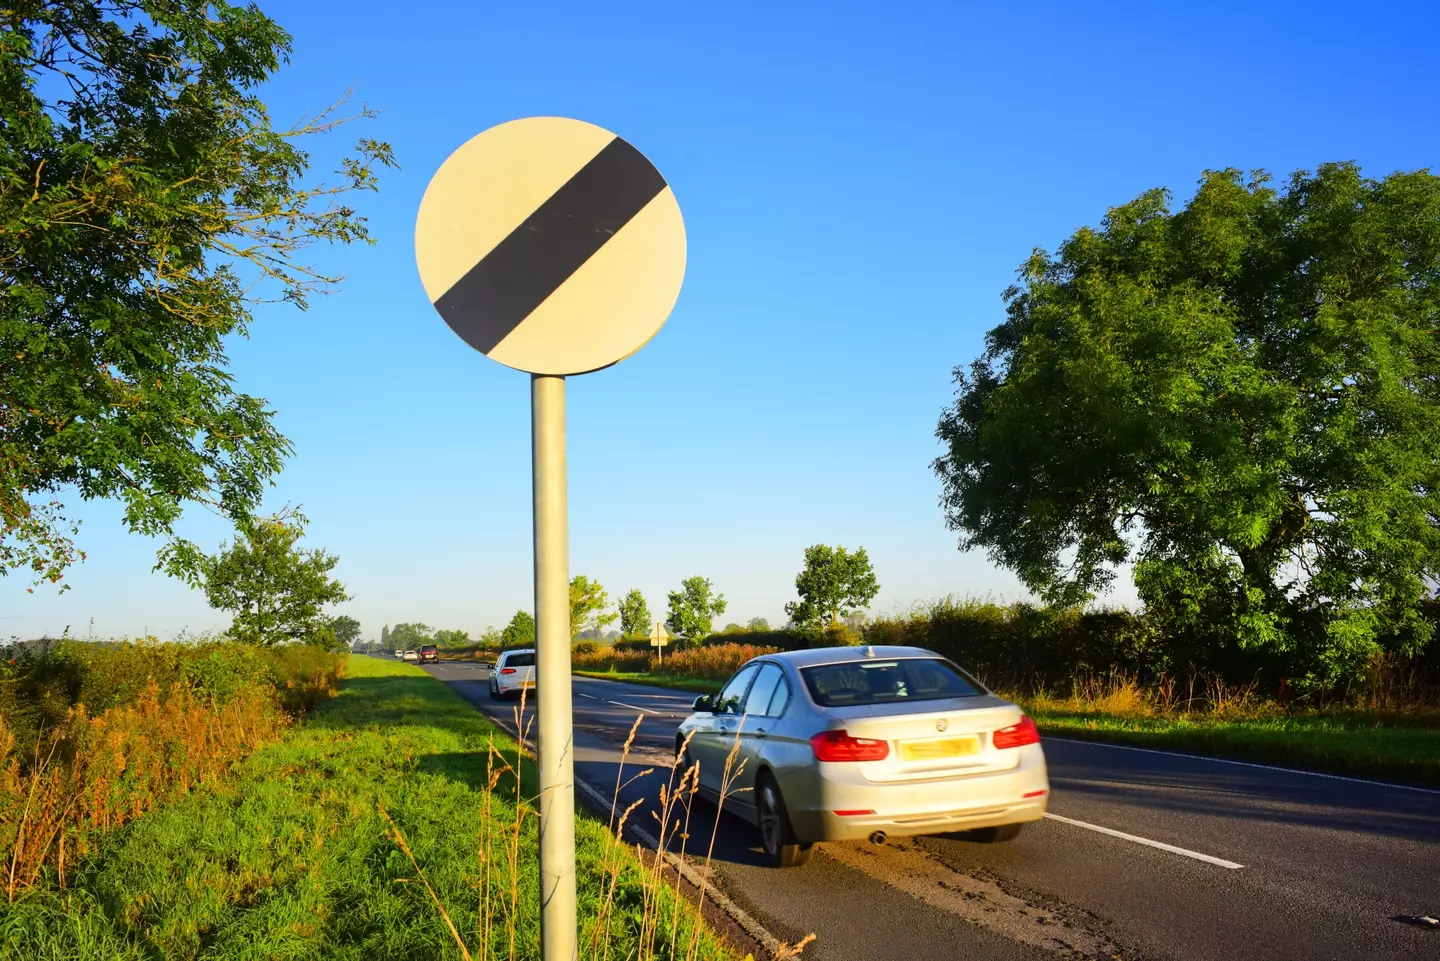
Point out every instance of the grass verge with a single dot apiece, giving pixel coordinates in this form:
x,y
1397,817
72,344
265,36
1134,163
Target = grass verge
x,y
1357,744
295,856
700,685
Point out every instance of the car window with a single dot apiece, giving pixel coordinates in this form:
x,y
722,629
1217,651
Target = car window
x,y
757,703
520,660
780,699
732,694
879,682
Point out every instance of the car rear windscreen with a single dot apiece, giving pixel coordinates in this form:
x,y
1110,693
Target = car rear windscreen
x,y
520,660
884,682
428,648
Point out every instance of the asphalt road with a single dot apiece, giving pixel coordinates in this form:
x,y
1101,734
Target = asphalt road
x,y
1263,863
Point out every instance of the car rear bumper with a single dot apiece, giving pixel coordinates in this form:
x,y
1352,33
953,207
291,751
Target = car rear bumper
x,y
917,807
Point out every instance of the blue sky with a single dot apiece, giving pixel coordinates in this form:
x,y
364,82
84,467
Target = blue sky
x,y
859,183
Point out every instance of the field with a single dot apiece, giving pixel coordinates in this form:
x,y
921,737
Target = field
x,y
386,826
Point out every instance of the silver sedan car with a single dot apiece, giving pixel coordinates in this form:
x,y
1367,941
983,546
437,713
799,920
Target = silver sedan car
x,y
850,743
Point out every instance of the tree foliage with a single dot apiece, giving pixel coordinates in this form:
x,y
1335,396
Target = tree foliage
x,y
410,636
693,608
452,638
520,632
1240,397
634,615
588,601
274,589
833,583
146,202
346,629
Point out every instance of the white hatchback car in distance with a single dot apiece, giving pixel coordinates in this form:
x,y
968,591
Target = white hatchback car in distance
x,y
514,671
850,743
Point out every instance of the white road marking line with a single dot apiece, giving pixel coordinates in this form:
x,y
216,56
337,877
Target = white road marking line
x,y
1221,862
1263,767
633,707
755,929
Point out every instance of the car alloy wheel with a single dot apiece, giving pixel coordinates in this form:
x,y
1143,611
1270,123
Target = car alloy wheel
x,y
776,835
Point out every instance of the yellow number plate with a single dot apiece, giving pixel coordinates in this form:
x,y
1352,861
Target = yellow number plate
x,y
939,748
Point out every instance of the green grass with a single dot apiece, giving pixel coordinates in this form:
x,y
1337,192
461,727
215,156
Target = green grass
x,y
700,685
1355,744
293,858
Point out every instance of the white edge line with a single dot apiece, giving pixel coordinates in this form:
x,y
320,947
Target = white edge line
x,y
739,915
752,927
1220,862
633,707
1263,767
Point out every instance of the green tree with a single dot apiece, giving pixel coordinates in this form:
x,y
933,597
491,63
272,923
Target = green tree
x,y
411,636
491,637
146,202
693,607
452,638
833,583
758,624
520,632
1240,397
275,589
588,601
385,644
634,615
346,629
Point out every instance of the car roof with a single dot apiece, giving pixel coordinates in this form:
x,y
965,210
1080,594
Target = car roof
x,y
810,657
518,650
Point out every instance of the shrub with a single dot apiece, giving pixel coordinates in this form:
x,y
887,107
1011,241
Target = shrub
x,y
612,659
94,735
715,662
583,648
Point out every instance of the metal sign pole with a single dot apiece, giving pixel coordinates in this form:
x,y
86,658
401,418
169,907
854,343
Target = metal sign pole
x,y
552,657
521,250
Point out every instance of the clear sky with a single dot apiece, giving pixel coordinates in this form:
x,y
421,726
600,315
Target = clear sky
x,y
859,183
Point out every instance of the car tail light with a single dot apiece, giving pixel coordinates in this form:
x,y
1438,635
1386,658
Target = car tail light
x,y
507,670
851,814
1017,735
840,746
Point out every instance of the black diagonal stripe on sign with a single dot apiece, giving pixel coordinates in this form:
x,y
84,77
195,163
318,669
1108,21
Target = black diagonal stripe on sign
x,y
538,256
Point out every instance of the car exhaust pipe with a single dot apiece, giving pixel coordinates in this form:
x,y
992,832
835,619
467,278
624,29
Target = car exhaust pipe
x,y
878,837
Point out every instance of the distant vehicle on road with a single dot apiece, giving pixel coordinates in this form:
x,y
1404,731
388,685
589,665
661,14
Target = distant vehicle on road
x,y
850,743
429,652
410,656
399,653
514,671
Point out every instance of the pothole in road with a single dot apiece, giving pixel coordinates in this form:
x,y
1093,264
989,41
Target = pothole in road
x,y
979,900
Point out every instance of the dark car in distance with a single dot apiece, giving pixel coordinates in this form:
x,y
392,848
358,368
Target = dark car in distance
x,y
429,652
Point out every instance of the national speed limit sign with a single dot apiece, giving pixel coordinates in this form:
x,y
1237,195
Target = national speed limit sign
x,y
551,245
554,247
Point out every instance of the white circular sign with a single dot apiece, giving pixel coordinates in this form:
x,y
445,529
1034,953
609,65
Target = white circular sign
x,y
551,245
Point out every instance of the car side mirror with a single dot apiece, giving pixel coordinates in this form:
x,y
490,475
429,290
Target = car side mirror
x,y
702,703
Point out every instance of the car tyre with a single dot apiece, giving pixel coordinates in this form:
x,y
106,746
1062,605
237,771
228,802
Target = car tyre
x,y
494,691
777,837
995,835
687,760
